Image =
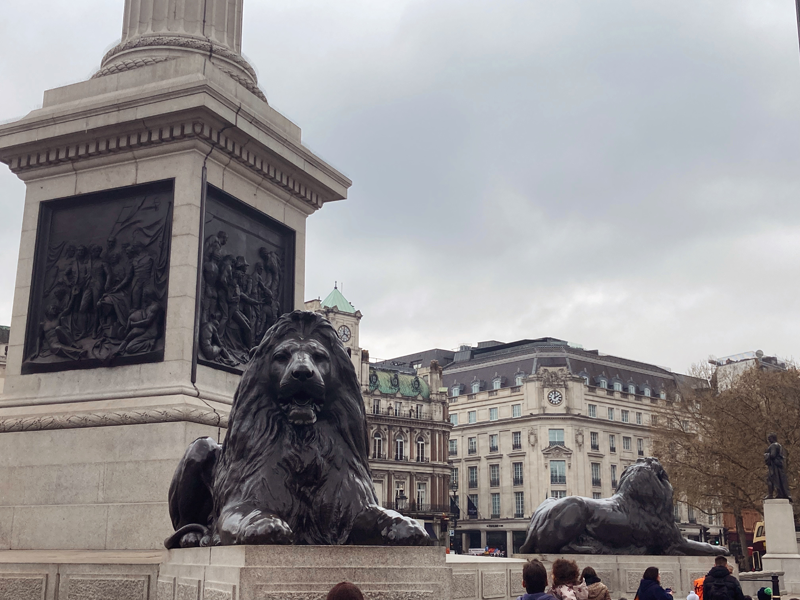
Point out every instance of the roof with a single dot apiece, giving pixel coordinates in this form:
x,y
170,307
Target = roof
x,y
392,382
424,358
336,300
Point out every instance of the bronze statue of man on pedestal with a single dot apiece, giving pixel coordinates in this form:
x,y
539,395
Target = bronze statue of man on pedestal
x,y
777,483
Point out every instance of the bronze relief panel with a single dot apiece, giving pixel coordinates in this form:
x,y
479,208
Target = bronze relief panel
x,y
248,263
99,287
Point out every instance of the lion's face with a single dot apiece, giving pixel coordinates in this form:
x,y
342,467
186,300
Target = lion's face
x,y
647,481
299,371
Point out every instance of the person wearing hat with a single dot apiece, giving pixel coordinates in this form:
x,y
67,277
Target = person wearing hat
x,y
764,593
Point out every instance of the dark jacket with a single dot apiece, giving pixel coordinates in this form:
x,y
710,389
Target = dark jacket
x,y
720,581
537,596
598,591
652,590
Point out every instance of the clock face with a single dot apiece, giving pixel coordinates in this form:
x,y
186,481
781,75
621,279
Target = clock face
x,y
344,333
554,397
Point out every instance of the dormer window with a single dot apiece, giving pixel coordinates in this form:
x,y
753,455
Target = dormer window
x,y
496,383
585,376
646,391
455,390
476,387
631,388
416,365
617,386
603,383
518,378
663,395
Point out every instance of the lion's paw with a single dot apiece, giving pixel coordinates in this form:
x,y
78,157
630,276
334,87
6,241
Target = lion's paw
x,y
402,531
259,529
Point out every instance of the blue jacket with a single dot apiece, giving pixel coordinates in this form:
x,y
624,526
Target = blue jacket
x,y
537,596
652,590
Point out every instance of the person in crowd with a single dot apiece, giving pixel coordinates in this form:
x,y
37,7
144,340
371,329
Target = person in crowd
x,y
345,591
719,584
567,583
692,596
765,593
597,589
534,580
650,586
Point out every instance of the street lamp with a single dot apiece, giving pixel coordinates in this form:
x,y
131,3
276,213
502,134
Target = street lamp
x,y
400,501
454,512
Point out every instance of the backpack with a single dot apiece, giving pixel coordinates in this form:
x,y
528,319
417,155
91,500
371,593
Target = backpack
x,y
720,590
698,587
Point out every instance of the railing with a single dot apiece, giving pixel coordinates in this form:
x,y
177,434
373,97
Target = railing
x,y
404,414
558,479
472,451
613,484
378,456
401,457
518,481
609,392
596,447
640,452
473,485
495,515
492,392
423,459
494,482
471,396
515,388
596,482
516,446
411,506
612,449
518,515
552,443
453,452
693,520
493,448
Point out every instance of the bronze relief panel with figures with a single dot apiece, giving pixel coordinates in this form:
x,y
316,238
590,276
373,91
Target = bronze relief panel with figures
x,y
247,280
99,288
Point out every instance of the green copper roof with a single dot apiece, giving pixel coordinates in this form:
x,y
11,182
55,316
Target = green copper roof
x,y
336,300
391,382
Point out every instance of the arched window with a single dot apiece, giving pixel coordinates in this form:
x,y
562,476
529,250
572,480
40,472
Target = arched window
x,y
421,449
663,395
518,378
617,386
631,388
476,387
496,383
400,448
377,445
647,391
455,391
603,383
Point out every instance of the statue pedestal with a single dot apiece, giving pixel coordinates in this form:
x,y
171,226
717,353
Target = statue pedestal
x,y
782,552
305,572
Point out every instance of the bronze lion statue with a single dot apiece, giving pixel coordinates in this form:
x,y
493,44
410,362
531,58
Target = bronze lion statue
x,y
637,519
293,468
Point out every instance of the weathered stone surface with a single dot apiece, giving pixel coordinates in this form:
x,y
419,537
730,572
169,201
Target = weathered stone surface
x,y
22,587
211,593
494,585
188,590
464,585
166,589
122,588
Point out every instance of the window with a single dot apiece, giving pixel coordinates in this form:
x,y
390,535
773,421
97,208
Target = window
x,y
594,439
493,414
496,383
638,418
593,410
422,494
617,386
596,474
454,418
626,418
400,448
614,476
473,498
416,365
516,440
586,380
612,443
640,446
647,391
691,515
495,506
558,493
493,443
472,445
676,512
419,411
556,437
518,379
626,443
421,449
476,387
473,416
454,476
398,409
494,475
376,406
631,389
711,519
377,446
473,477
654,420
596,496
453,447
517,473
610,414
603,384
558,472
455,390
663,396
516,410
519,504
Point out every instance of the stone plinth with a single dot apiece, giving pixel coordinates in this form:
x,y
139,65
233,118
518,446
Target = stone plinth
x,y
623,573
304,572
781,543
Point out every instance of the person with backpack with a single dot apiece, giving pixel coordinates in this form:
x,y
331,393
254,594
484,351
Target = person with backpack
x,y
719,584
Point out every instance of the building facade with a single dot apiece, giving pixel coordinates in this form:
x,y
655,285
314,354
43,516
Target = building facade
x,y
408,421
541,418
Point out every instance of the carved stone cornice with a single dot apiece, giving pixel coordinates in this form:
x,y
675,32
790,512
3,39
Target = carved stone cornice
x,y
556,452
202,416
164,134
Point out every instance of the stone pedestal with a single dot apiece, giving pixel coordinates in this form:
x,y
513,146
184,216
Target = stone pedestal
x,y
781,542
304,573
120,168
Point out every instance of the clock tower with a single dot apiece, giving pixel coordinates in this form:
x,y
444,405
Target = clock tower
x,y
345,320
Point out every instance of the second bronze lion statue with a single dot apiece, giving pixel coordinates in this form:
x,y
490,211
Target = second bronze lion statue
x,y
637,519
293,468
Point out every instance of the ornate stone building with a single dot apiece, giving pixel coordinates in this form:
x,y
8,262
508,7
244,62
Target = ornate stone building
x,y
409,426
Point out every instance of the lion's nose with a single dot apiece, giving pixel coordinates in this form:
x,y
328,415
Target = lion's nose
x,y
302,371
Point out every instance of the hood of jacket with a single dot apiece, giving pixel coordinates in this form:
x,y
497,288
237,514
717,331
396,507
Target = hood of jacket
x,y
646,585
719,572
597,590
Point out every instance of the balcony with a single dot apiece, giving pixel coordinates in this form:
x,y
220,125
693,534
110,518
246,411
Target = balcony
x,y
640,452
472,451
492,393
595,447
518,481
558,479
693,520
404,414
518,515
378,456
516,446
493,448
473,485
423,459
411,507
453,452
494,482
401,457
596,482
472,396
612,449
552,443
613,484
495,515
515,389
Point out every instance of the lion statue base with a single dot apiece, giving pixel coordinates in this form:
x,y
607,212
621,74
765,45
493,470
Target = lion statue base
x,y
293,468
637,519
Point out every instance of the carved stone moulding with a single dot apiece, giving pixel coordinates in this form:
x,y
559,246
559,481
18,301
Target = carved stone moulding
x,y
247,280
100,275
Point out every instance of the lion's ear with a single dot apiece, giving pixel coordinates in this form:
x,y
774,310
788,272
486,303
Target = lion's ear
x,y
349,352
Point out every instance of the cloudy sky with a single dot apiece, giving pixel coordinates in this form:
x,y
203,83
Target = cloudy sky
x,y
622,174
